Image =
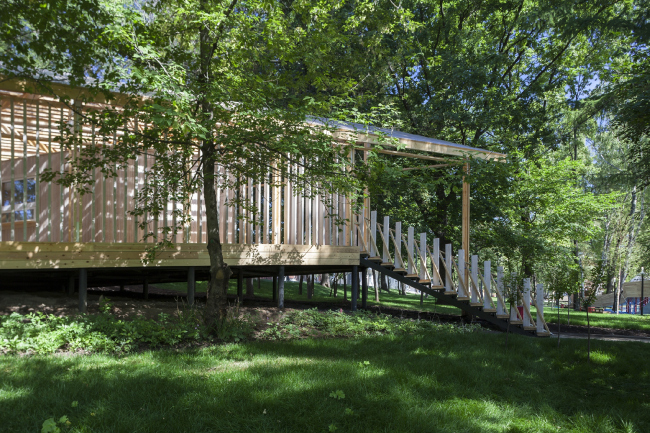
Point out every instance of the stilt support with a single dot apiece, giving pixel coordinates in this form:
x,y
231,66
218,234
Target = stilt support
x,y
191,285
83,290
281,288
355,288
364,288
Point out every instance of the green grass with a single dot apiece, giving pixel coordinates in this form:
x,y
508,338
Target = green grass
x,y
322,295
602,320
439,381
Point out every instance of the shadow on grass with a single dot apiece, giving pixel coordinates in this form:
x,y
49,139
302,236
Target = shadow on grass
x,y
440,382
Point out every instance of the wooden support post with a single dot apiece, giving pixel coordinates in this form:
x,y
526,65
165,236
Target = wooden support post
x,y
281,287
487,281
386,239
373,233
71,281
539,298
410,242
435,260
465,217
462,293
355,288
423,255
398,245
364,288
501,305
83,290
191,285
448,259
145,288
240,286
275,288
474,279
526,300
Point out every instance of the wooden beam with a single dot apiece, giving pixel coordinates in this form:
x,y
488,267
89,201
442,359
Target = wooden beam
x,y
428,166
465,219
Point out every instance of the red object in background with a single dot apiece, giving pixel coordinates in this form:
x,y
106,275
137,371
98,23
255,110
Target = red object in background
x,y
521,311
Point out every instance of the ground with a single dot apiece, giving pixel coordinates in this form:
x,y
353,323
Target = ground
x,y
447,378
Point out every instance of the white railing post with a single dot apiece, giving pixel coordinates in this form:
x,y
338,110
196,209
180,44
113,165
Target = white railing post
x,y
487,280
461,274
501,306
410,246
398,245
436,262
473,288
526,300
513,308
539,297
373,233
423,255
386,255
448,263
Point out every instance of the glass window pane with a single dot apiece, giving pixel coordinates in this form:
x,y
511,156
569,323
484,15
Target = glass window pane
x,y
18,192
19,215
30,214
31,190
6,217
6,193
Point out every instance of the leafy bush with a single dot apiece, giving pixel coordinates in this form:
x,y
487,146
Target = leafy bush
x,y
40,333
297,324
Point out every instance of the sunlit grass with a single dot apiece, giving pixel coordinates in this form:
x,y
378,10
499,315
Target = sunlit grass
x,y
434,382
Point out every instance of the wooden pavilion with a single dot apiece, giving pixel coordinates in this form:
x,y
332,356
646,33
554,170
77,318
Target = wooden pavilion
x,y
52,234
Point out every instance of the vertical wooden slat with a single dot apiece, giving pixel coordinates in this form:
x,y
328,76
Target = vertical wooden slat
x,y
474,279
287,210
1,189
423,254
386,254
487,280
410,244
436,261
49,166
37,177
93,196
501,306
12,186
398,245
115,180
25,171
448,259
276,210
462,293
267,210
61,188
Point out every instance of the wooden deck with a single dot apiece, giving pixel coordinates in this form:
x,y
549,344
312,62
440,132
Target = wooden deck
x,y
70,255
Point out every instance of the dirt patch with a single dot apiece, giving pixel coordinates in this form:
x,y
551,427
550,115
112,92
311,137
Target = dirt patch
x,y
61,304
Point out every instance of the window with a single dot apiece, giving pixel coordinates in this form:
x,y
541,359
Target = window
x,y
23,210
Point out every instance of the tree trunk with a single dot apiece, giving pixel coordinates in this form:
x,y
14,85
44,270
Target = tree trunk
x,y
384,283
300,284
310,287
345,287
250,291
335,285
325,280
220,272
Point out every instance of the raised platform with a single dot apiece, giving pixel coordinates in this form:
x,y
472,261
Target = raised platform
x,y
62,255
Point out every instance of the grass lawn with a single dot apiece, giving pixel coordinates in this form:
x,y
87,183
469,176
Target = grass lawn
x,y
440,381
322,295
602,320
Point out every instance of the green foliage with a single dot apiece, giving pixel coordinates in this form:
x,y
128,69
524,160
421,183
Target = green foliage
x,y
40,333
303,323
52,426
337,395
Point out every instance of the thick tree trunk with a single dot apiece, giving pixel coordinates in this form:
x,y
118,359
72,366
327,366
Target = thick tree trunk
x,y
300,284
220,272
325,280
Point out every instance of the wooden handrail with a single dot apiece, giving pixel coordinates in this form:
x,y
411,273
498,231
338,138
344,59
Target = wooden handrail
x,y
423,262
473,283
385,244
372,238
496,290
447,272
460,278
489,295
435,267
408,253
398,253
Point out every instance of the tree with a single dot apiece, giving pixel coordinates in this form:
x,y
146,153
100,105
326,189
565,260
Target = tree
x,y
221,92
